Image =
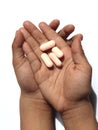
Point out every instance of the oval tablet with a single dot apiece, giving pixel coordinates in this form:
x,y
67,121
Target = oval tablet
x,y
57,52
48,45
46,60
55,59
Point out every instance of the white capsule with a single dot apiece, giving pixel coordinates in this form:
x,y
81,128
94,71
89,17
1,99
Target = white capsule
x,y
46,60
48,45
55,59
57,52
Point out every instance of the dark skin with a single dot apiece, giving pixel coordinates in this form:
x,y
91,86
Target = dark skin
x,y
59,85
66,88
30,92
20,62
71,67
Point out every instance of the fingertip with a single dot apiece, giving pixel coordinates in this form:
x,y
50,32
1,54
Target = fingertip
x,y
26,23
21,30
24,32
42,24
54,24
18,40
77,37
56,21
76,44
16,33
80,37
15,39
69,28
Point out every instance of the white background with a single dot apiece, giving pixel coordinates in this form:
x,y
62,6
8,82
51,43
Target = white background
x,y
83,14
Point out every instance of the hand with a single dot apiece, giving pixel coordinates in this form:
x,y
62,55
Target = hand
x,y
21,64
62,87
32,102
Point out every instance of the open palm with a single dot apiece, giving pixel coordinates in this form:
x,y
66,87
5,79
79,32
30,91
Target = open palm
x,y
22,67
60,86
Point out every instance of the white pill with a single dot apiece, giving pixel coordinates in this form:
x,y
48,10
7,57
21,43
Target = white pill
x,y
55,59
57,52
46,60
48,45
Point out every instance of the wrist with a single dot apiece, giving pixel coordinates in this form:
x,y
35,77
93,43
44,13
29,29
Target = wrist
x,y
35,113
35,100
80,117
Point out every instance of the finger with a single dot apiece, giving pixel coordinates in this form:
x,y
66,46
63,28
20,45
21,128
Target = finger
x,y
76,45
54,24
17,50
32,57
77,36
35,32
66,31
52,35
31,41
69,41
17,43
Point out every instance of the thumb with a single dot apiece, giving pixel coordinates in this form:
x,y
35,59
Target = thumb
x,y
17,50
77,50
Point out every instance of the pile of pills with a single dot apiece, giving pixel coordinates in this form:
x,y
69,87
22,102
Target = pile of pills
x,y
54,56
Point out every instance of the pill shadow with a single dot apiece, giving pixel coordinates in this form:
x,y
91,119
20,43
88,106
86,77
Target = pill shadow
x,y
93,100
